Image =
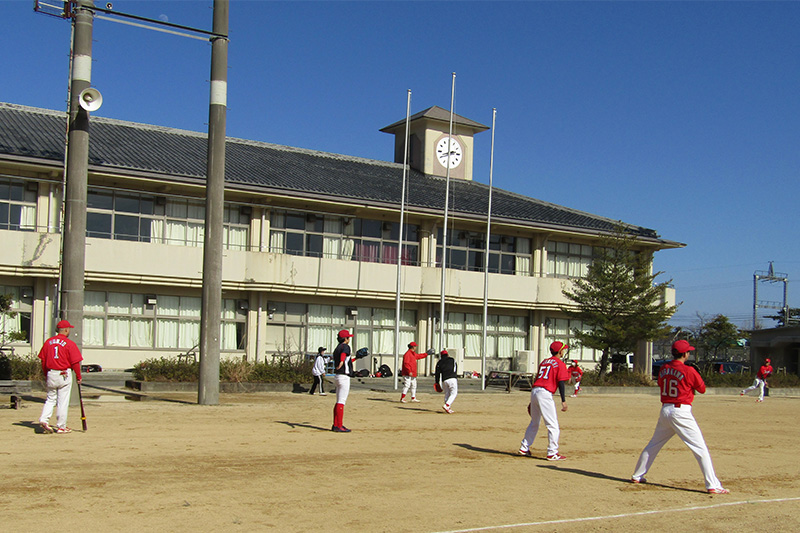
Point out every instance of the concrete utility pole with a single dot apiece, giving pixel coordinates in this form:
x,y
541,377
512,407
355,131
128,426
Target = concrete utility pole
x,y
208,385
73,260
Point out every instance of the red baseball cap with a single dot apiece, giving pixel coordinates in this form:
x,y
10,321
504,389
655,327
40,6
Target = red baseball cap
x,y
345,334
443,352
64,325
681,346
769,360
412,343
556,347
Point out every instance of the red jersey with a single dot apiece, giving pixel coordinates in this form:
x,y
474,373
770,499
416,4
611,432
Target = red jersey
x,y
551,371
60,353
410,362
679,382
764,372
576,372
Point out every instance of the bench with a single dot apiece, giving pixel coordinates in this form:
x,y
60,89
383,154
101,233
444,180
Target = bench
x,y
508,378
15,388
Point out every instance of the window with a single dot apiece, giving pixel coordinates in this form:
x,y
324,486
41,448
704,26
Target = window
x,y
17,205
504,334
561,329
336,237
467,251
295,327
21,307
137,217
128,320
568,260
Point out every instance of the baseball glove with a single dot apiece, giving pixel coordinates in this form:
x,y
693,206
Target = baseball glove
x,y
361,353
437,387
430,351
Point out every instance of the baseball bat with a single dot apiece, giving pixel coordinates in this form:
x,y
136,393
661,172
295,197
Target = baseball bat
x,y
83,412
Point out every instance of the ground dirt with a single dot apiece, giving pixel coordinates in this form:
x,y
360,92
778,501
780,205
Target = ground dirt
x,y
268,461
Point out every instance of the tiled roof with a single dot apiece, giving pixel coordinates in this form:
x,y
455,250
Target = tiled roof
x,y
439,114
38,134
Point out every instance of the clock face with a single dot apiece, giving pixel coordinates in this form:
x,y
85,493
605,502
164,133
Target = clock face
x,y
455,154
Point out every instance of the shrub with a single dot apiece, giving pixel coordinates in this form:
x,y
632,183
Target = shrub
x,y
620,378
166,369
24,367
232,370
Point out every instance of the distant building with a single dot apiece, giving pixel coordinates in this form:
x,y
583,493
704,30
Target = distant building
x,y
311,245
781,345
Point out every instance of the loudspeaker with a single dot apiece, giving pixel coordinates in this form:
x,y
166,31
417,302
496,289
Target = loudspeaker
x,y
90,99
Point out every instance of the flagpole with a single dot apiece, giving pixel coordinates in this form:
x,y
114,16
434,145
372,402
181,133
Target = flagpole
x,y
400,244
486,262
446,209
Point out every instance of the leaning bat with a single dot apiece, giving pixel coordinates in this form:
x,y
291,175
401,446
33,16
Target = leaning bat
x,y
83,412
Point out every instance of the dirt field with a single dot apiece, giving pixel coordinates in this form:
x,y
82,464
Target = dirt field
x,y
268,461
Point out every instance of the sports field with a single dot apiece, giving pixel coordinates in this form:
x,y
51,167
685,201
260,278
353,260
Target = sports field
x,y
268,461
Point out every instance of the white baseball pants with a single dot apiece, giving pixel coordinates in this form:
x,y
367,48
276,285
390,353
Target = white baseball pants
x,y
342,388
757,384
59,386
410,382
542,406
678,421
450,388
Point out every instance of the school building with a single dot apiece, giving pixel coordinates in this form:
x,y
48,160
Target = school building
x,y
311,246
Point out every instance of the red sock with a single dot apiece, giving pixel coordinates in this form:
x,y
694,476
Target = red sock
x,y
338,415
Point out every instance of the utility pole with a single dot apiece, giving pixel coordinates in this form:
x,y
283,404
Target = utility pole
x,y
208,385
73,258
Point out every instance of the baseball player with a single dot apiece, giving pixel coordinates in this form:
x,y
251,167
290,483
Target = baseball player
x,y
409,372
447,375
679,383
761,380
575,374
318,371
343,369
552,375
60,359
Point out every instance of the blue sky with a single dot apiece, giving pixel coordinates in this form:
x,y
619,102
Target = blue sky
x,y
683,117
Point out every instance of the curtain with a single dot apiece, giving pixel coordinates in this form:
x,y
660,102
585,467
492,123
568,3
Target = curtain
x,y
92,331
141,333
227,332
166,333
332,229
157,230
119,302
188,333
27,217
348,243
94,302
236,238
474,345
195,233
276,240
522,263
119,331
383,341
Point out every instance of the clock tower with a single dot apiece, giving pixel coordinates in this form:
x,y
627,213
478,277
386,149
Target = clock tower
x,y
431,149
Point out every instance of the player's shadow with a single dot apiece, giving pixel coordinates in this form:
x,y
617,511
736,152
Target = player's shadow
x,y
30,425
403,406
296,425
627,481
472,448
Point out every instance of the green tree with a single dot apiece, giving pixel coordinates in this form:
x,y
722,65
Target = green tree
x,y
618,300
715,336
6,300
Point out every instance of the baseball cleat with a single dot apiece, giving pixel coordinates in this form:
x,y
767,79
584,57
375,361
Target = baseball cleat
x,y
555,457
46,427
447,409
574,396
719,491
340,429
526,453
741,393
323,393
640,480
402,400
414,400
759,400
63,430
